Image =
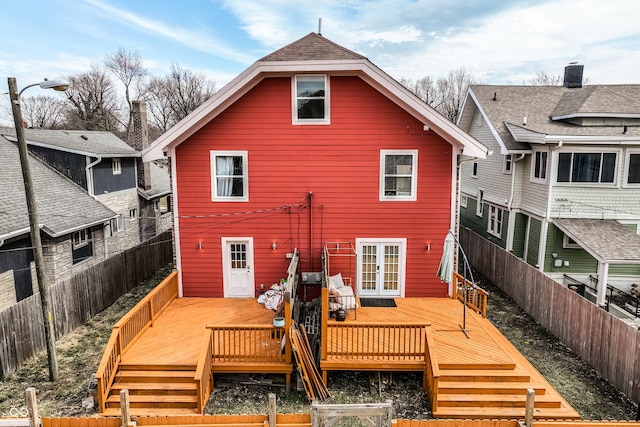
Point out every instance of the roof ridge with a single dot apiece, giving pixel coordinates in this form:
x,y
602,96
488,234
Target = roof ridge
x,y
312,47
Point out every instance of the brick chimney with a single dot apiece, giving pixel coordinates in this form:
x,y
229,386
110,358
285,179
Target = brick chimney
x,y
140,140
573,75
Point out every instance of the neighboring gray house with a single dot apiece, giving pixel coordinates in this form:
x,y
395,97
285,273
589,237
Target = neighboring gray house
x,y
562,187
72,225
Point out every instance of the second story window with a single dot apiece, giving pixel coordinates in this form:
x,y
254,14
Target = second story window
x,y
508,163
480,203
398,174
633,168
587,167
311,103
474,170
229,176
116,166
539,166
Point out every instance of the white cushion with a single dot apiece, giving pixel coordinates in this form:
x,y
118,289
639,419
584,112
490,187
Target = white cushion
x,y
347,300
336,281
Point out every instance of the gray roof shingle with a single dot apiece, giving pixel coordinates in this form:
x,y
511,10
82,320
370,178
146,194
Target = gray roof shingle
x,y
312,47
539,103
92,143
160,183
610,240
63,206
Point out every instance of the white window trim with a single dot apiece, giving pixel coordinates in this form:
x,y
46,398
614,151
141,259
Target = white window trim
x,y
616,175
474,169
627,160
119,222
492,230
82,241
294,102
505,162
245,176
480,203
414,176
532,177
116,166
464,200
133,214
567,245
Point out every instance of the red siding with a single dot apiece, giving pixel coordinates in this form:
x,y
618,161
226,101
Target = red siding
x,y
339,163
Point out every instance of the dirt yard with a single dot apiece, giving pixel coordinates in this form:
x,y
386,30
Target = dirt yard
x,y
79,354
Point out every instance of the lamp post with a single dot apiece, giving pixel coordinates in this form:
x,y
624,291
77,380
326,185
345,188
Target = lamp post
x,y
38,256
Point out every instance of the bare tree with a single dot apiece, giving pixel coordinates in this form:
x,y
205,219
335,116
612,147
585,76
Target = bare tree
x,y
173,97
94,101
43,111
127,67
544,79
446,95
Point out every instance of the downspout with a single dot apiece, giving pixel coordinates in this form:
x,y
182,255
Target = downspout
x,y
90,191
310,230
90,176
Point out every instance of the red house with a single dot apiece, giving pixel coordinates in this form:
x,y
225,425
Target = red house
x,y
312,144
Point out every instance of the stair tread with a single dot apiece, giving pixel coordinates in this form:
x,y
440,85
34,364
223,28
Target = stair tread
x,y
137,385
165,398
155,373
495,387
492,397
115,412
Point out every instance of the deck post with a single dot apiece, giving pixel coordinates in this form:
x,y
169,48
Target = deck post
x,y
272,410
125,409
528,414
32,407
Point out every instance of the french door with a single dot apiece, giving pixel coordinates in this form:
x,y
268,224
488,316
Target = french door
x,y
237,263
381,267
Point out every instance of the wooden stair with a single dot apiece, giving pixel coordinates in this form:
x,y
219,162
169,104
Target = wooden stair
x,y
154,390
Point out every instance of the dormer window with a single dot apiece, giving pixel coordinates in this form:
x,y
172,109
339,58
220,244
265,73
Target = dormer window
x,y
310,100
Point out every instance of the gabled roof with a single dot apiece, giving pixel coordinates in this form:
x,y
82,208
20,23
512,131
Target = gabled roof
x,y
88,143
520,115
599,101
160,183
314,53
63,206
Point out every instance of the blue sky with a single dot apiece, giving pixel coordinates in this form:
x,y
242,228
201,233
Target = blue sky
x,y
497,41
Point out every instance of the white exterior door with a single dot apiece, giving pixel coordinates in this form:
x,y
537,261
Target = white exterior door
x,y
237,264
381,267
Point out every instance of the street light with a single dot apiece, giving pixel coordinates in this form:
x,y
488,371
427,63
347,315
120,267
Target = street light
x,y
43,287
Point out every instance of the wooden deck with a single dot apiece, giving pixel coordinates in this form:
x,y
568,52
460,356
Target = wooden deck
x,y
479,376
176,336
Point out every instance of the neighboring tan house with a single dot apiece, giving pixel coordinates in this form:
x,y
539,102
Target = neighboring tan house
x,y
561,188
72,226
312,144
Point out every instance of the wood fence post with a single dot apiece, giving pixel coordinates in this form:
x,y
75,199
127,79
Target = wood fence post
x,y
528,414
272,410
32,407
124,408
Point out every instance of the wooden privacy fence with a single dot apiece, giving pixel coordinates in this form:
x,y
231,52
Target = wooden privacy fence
x,y
77,299
129,328
603,341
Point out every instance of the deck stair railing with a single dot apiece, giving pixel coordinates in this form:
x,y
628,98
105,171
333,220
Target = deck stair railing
x,y
476,298
128,329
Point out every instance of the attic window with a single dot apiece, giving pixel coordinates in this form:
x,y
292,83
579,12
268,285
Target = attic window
x,y
311,100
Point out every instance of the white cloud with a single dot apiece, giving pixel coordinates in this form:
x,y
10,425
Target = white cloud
x,y
195,40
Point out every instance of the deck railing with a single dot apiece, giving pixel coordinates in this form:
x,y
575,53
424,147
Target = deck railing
x,y
376,341
432,373
250,344
203,377
475,296
129,328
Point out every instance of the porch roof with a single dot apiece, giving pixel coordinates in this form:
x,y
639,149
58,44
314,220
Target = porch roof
x,y
606,240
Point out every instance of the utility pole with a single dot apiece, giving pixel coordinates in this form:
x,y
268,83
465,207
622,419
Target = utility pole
x,y
38,256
